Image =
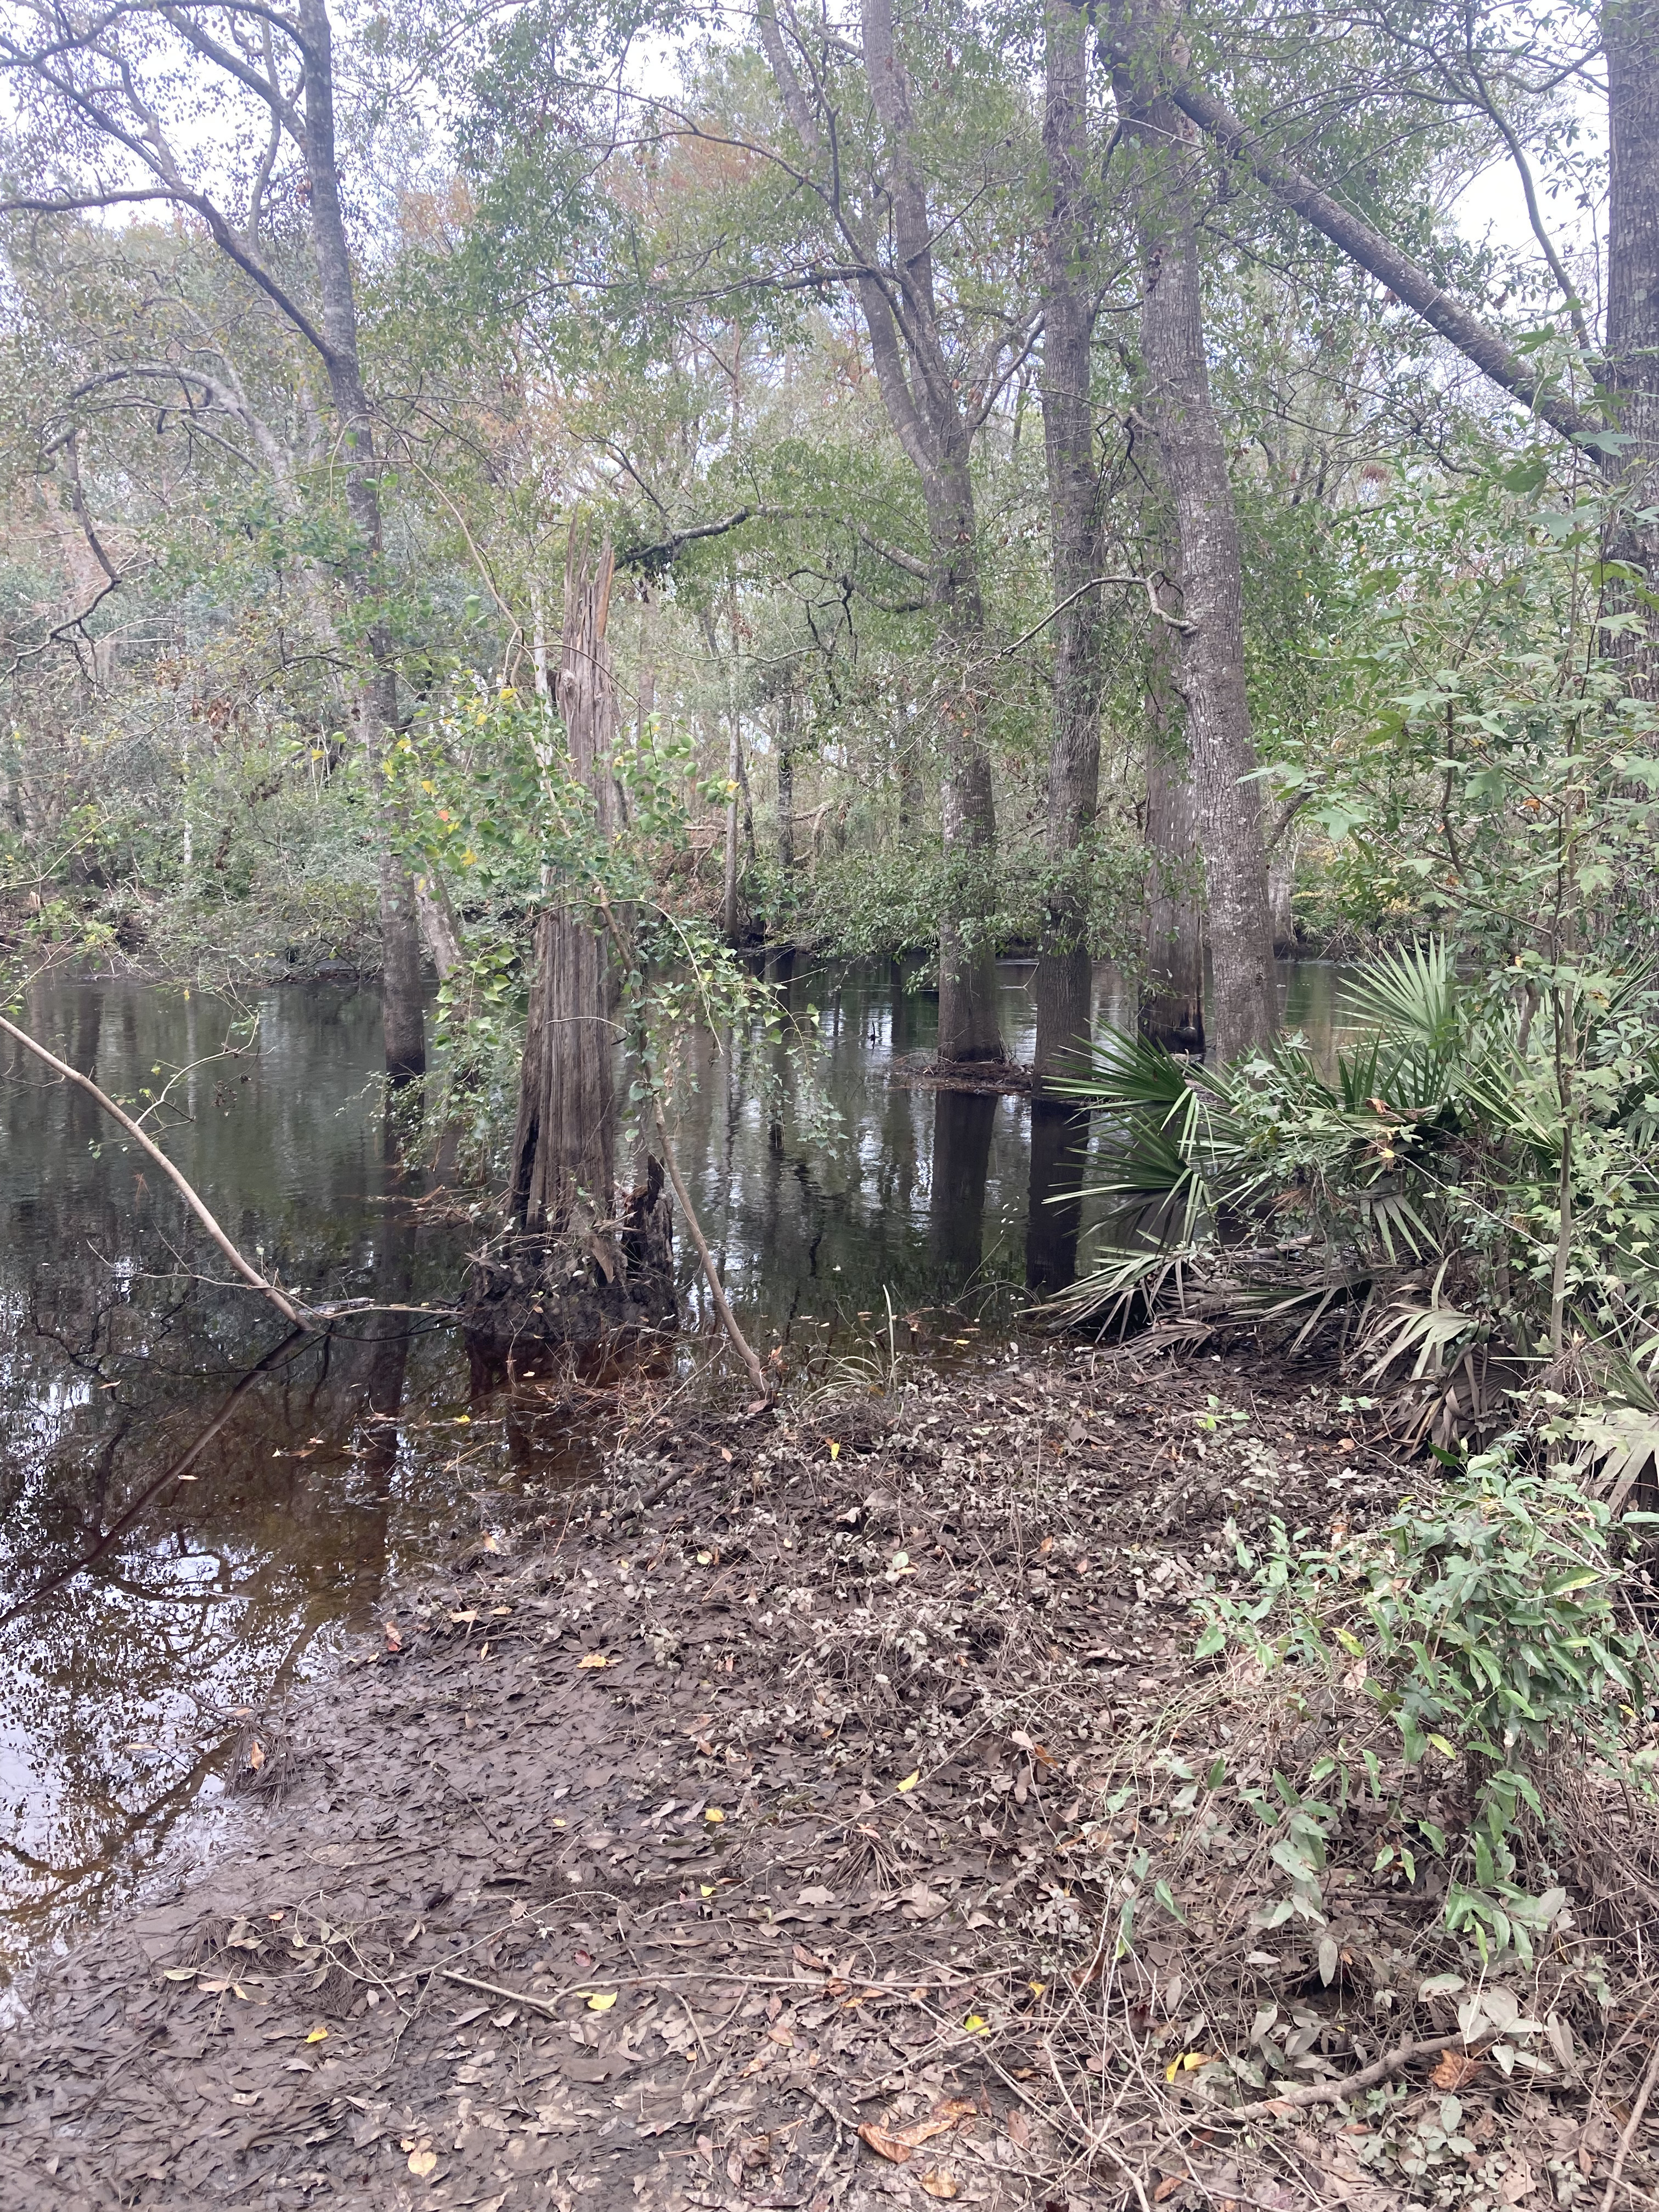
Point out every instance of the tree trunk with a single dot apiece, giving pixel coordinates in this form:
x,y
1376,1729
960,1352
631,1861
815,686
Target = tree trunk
x,y
733,783
1281,882
376,706
1062,985
1630,34
788,707
1194,462
921,394
564,1170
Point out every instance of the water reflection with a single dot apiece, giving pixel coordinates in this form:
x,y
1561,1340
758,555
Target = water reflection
x,y
238,1498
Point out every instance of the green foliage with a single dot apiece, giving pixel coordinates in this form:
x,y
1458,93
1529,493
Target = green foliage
x,y
1483,1625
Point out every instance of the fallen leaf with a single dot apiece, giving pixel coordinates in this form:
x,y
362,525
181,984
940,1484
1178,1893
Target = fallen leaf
x,y
834,1452
1019,2128
393,1641
975,2023
422,2162
899,2144
1188,2062
1455,2071
256,1756
715,1813
817,1895
601,2000
939,2184
910,1781
593,1659
1167,2187
319,2034
1520,2181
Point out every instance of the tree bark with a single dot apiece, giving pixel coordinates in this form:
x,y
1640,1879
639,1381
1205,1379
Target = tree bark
x,y
1062,984
733,779
1209,580
563,1144
788,712
377,700
1630,34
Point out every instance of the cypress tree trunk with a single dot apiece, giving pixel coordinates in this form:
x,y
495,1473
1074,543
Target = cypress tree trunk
x,y
1062,984
563,1145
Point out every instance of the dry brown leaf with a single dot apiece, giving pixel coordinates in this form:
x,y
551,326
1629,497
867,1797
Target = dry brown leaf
x,y
1455,2071
938,2183
1520,2181
898,2144
1019,2128
1167,2187
422,2162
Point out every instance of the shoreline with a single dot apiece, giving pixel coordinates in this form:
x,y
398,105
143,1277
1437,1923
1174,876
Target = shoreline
x,y
753,1847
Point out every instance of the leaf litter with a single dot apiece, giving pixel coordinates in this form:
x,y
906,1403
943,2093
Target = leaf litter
x,y
883,1860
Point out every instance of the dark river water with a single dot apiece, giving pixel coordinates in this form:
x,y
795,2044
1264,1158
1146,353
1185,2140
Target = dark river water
x,y
133,1626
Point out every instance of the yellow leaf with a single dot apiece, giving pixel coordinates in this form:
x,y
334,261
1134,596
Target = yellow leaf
x,y
422,2162
319,2034
706,1888
179,1974
1188,2063
975,2023
601,2000
593,1659
939,2184
1036,1988
714,1815
910,1781
834,1452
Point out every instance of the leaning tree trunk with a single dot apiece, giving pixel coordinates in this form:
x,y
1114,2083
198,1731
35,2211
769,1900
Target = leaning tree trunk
x,y
1062,985
1193,459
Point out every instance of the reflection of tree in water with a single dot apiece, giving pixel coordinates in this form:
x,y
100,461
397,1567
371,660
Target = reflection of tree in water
x,y
115,1683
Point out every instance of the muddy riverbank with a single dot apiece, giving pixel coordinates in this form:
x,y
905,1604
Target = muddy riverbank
x,y
750,1830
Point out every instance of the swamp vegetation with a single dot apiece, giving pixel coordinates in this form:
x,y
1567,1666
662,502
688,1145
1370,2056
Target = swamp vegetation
x,y
801,610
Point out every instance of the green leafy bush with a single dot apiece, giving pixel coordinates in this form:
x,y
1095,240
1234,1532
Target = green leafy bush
x,y
1480,1625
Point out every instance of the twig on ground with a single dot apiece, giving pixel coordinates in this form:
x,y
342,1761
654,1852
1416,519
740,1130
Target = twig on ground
x,y
1631,2126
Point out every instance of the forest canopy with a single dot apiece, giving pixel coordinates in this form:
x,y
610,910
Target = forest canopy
x,y
1081,481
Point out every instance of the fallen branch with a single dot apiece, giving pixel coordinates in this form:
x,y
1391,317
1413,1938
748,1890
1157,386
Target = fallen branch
x,y
548,2006
1631,2126
1332,2093
293,1315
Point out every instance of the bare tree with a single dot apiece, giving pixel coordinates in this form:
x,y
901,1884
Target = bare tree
x,y
94,87
937,402
1193,459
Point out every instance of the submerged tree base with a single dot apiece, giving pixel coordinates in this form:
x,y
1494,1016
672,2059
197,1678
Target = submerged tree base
x,y
577,1287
